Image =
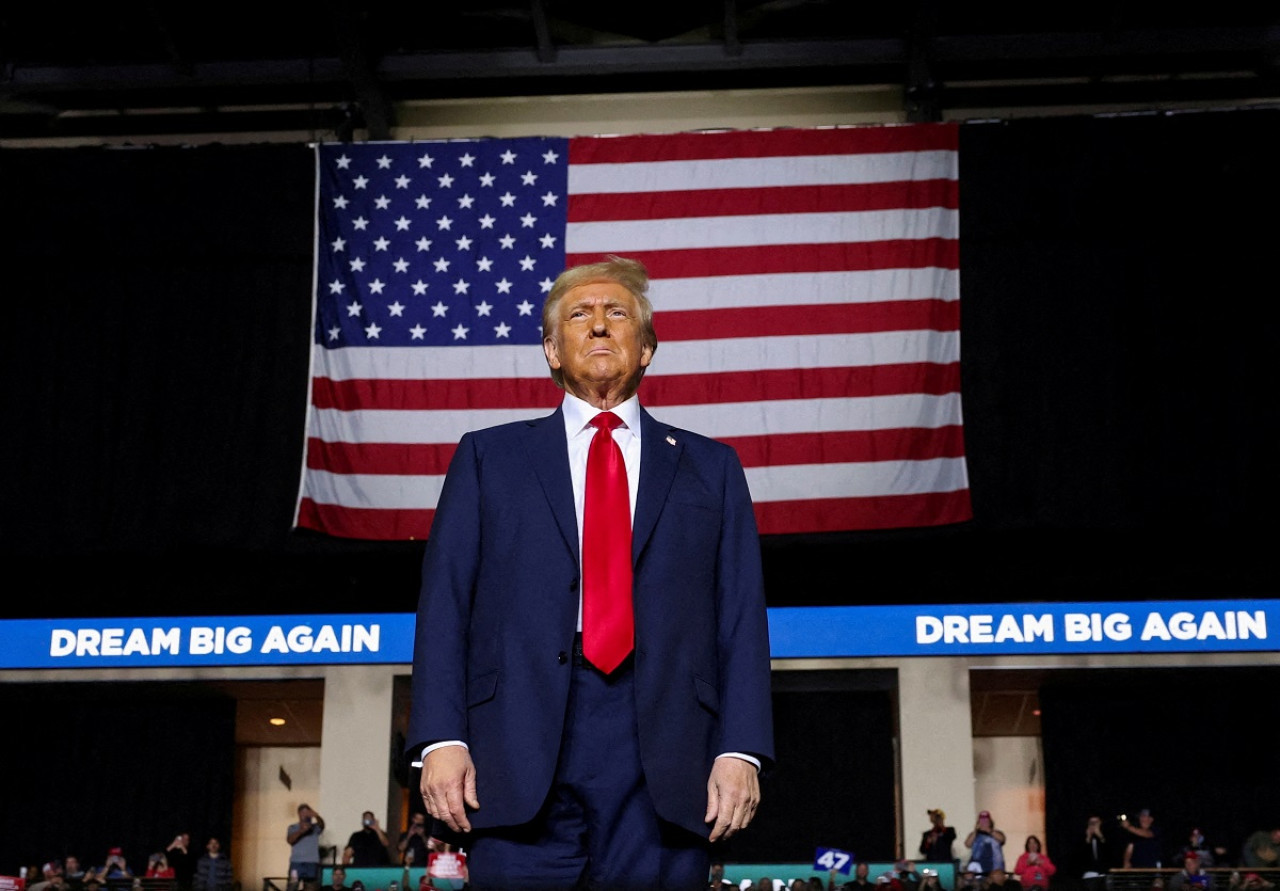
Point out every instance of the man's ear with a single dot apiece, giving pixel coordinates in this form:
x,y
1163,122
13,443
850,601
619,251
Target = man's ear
x,y
552,353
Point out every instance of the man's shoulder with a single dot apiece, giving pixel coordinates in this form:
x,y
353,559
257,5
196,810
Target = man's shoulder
x,y
690,439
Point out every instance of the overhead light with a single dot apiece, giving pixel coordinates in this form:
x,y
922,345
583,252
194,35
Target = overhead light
x,y
276,722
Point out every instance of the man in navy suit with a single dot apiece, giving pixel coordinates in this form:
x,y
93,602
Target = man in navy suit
x,y
567,766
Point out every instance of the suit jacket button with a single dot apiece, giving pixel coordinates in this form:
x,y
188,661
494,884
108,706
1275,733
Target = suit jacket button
x,y
563,657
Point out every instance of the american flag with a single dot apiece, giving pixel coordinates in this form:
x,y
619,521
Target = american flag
x,y
806,297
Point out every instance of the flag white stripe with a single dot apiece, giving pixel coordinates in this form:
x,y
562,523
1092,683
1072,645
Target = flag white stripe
x,y
426,426
760,230
678,357
856,480
782,483
755,173
806,288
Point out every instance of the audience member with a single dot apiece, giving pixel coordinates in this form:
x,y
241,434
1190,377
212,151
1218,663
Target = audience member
x,y
415,842
929,880
1191,877
182,859
906,873
446,865
986,844
1095,857
213,869
338,881
368,845
1261,849
1143,850
971,877
1000,880
51,877
304,843
1033,868
72,871
887,881
937,841
115,867
1197,845
1250,881
860,881
158,866
717,881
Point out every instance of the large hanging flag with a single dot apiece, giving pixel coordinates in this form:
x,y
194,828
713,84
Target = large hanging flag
x,y
805,286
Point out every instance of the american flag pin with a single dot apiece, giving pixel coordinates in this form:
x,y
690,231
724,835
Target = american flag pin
x,y
671,440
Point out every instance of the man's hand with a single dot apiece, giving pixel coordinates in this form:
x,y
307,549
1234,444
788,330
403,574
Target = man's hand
x,y
733,794
449,786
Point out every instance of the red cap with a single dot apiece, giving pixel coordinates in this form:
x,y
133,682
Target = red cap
x,y
982,814
116,851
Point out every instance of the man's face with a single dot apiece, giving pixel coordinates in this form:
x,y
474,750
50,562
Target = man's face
x,y
73,864
597,341
1145,820
861,869
997,876
339,877
213,846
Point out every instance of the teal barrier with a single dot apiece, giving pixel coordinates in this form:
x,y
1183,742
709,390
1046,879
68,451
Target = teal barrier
x,y
736,872
379,878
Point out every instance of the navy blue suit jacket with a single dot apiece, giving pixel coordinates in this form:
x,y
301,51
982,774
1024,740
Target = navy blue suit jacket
x,y
499,606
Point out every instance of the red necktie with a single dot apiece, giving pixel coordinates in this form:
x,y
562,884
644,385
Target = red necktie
x,y
608,625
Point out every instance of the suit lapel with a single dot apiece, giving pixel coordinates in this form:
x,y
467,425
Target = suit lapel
x,y
660,456
548,453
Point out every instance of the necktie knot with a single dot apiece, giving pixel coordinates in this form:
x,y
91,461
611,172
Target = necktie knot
x,y
606,420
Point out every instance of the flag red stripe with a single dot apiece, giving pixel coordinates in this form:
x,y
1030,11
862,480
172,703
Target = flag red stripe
x,y
906,444
767,200
371,523
423,394
400,459
881,512
906,253
763,144
826,318
693,389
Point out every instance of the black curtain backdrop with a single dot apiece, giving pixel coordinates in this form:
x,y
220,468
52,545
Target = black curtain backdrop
x,y
1193,746
90,767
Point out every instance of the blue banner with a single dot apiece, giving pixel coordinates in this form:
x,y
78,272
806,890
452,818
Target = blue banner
x,y
1196,626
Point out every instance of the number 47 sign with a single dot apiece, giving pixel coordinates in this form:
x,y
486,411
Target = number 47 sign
x,y
827,859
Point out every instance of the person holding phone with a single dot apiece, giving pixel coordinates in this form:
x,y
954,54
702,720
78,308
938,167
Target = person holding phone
x,y
304,839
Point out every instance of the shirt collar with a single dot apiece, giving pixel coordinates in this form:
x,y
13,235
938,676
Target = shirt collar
x,y
578,414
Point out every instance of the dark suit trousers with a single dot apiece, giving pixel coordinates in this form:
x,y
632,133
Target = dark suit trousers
x,y
598,828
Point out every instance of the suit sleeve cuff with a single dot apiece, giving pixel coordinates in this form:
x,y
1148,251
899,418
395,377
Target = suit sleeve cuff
x,y
439,745
741,755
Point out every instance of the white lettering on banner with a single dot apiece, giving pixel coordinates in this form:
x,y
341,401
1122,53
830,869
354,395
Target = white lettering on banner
x,y
1238,625
1094,627
214,641
300,639
978,629
112,642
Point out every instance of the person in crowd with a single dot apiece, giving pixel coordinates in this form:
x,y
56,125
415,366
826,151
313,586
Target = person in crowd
x,y
304,844
1249,881
1143,850
929,880
415,841
73,872
158,866
1094,856
986,844
937,841
717,881
182,859
1196,845
972,877
1033,868
51,877
905,872
213,869
114,867
1000,880
1191,877
1261,849
447,866
338,880
368,845
888,881
861,880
